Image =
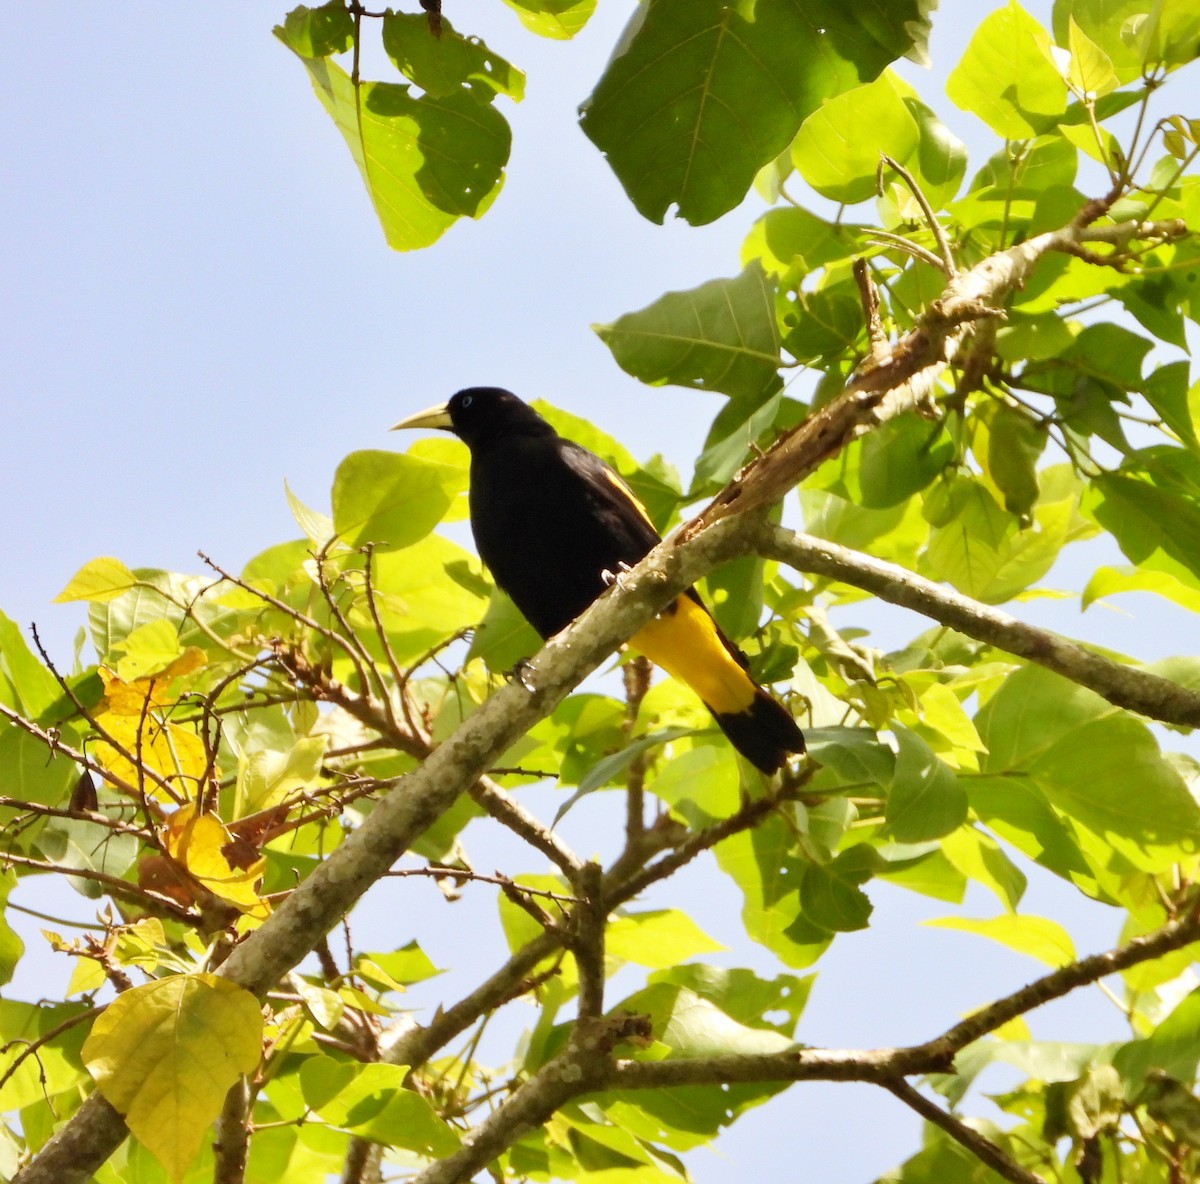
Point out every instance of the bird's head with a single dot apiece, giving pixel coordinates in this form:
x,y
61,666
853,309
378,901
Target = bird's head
x,y
480,413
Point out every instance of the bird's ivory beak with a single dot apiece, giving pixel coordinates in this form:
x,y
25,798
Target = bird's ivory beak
x,y
431,417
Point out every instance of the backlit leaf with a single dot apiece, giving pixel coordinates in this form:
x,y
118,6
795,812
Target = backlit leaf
x,y
371,1101
101,579
1039,937
658,939
164,1055
1006,76
391,499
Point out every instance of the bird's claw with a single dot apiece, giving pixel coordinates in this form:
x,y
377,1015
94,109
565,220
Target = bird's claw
x,y
522,672
611,578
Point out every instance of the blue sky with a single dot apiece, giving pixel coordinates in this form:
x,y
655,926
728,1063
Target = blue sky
x,y
199,306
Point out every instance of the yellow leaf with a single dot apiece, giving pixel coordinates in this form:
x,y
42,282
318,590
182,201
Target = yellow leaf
x,y
130,698
173,752
165,1054
197,842
102,579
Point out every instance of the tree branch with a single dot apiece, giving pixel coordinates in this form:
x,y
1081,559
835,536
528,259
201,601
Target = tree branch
x,y
1123,686
908,377
979,1145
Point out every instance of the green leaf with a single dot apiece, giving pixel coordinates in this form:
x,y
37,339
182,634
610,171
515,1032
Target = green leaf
x,y
899,458
1096,1101
164,1055
425,161
1167,391
1091,72
101,579
1094,763
702,785
764,865
1007,78
1039,937
32,773
407,965
425,593
1151,506
270,775
391,499
734,592
25,684
1008,445
1135,35
557,19
980,858
822,325
791,242
692,1026
371,1101
1109,581
721,336
838,147
734,432
503,637
610,767
831,895
11,945
147,650
941,159
658,939
56,1068
444,63
702,93
982,549
743,995
317,527
317,32
1174,1046
925,800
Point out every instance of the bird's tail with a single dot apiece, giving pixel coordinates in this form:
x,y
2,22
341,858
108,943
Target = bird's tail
x,y
764,733
688,644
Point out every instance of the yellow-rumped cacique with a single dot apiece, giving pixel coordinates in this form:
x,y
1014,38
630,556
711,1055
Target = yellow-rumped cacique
x,y
554,523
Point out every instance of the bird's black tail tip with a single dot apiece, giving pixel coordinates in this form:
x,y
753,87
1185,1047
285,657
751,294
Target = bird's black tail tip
x,y
765,734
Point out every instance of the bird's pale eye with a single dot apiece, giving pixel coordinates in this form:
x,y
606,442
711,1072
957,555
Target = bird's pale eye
x,y
467,401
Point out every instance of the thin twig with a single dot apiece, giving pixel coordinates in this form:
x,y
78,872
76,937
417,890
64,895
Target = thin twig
x,y
979,1145
946,264
147,898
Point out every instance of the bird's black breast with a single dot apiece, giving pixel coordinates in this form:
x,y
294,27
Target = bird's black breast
x,y
549,518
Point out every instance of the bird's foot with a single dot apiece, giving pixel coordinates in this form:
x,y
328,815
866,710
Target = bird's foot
x,y
522,672
611,578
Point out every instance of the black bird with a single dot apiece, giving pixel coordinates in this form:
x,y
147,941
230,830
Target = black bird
x,y
553,523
